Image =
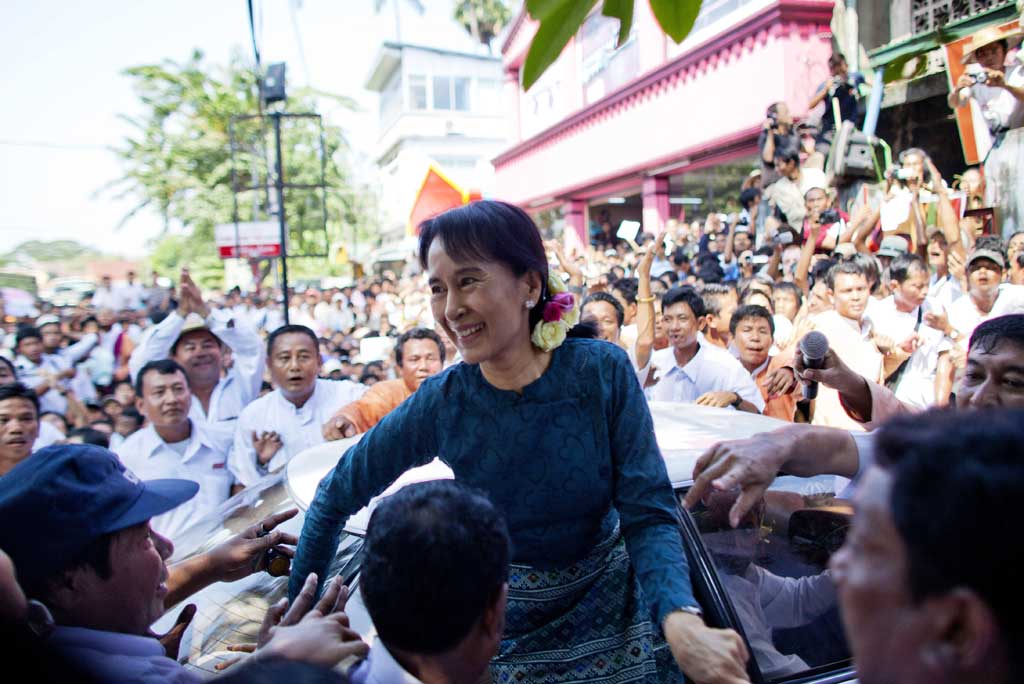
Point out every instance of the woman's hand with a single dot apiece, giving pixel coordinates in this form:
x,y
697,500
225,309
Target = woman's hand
x,y
706,655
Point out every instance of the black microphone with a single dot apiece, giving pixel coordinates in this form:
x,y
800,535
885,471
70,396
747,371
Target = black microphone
x,y
813,347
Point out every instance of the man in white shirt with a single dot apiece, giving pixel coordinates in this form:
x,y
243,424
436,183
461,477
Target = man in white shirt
x,y
19,424
440,535
274,428
131,295
42,374
194,337
692,369
849,334
104,297
173,445
943,288
987,296
63,357
920,350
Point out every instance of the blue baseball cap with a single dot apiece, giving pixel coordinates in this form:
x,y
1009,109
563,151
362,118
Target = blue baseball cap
x,y
64,497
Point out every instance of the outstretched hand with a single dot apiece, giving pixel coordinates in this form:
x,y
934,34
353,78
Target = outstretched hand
x,y
320,635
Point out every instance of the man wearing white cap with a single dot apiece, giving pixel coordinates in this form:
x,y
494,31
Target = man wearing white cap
x,y
987,295
194,336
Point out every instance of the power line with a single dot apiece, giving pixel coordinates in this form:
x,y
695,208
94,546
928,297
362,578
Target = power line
x,y
53,145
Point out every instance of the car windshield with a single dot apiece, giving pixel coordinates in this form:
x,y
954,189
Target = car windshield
x,y
772,571
230,613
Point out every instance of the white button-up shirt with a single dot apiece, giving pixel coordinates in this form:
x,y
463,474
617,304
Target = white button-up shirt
x,y
204,461
965,316
917,383
712,369
235,390
299,428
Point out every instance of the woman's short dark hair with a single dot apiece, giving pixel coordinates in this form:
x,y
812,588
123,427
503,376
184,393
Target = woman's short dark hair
x,y
620,313
687,294
432,549
418,334
489,230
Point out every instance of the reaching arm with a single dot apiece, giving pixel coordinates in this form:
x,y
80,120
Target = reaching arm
x,y
803,266
645,305
947,217
819,97
752,464
156,343
406,437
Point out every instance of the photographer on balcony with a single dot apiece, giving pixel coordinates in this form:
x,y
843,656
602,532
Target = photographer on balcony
x,y
777,134
843,87
998,91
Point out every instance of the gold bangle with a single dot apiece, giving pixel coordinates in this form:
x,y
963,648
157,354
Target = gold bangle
x,y
645,300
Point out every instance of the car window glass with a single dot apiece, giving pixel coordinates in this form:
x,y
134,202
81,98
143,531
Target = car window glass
x,y
773,570
230,613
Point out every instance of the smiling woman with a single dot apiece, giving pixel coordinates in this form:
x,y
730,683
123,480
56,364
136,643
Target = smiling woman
x,y
560,438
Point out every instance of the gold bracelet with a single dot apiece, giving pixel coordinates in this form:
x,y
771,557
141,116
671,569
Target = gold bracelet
x,y
645,300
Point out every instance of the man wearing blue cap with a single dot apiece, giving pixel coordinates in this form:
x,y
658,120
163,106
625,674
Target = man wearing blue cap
x,y
84,549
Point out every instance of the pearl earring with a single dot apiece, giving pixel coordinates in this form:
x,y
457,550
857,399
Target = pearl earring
x,y
530,303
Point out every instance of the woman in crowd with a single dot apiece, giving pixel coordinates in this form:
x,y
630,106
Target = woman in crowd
x,y
557,433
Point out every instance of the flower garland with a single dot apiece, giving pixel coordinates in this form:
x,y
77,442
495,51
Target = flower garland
x,y
560,314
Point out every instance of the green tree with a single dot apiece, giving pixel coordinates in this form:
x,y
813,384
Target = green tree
x,y
561,19
482,19
177,161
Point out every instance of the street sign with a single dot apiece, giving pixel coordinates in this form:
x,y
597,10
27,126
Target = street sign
x,y
253,239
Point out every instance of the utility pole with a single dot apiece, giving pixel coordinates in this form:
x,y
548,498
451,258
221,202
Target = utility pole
x,y
279,186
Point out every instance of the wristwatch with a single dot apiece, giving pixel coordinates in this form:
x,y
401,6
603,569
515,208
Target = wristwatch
x,y
736,402
953,334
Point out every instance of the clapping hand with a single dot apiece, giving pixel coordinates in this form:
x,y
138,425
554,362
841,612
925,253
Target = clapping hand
x,y
190,299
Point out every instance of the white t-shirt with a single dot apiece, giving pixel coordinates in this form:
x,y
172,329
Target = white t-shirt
x,y
917,383
965,316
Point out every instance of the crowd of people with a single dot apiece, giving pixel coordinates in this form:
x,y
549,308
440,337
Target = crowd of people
x,y
528,368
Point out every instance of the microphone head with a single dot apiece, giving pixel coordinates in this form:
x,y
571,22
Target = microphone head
x,y
814,345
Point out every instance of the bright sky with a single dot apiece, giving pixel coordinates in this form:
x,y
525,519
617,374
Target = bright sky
x,y
62,91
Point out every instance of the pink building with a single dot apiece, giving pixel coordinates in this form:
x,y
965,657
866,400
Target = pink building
x,y
654,128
